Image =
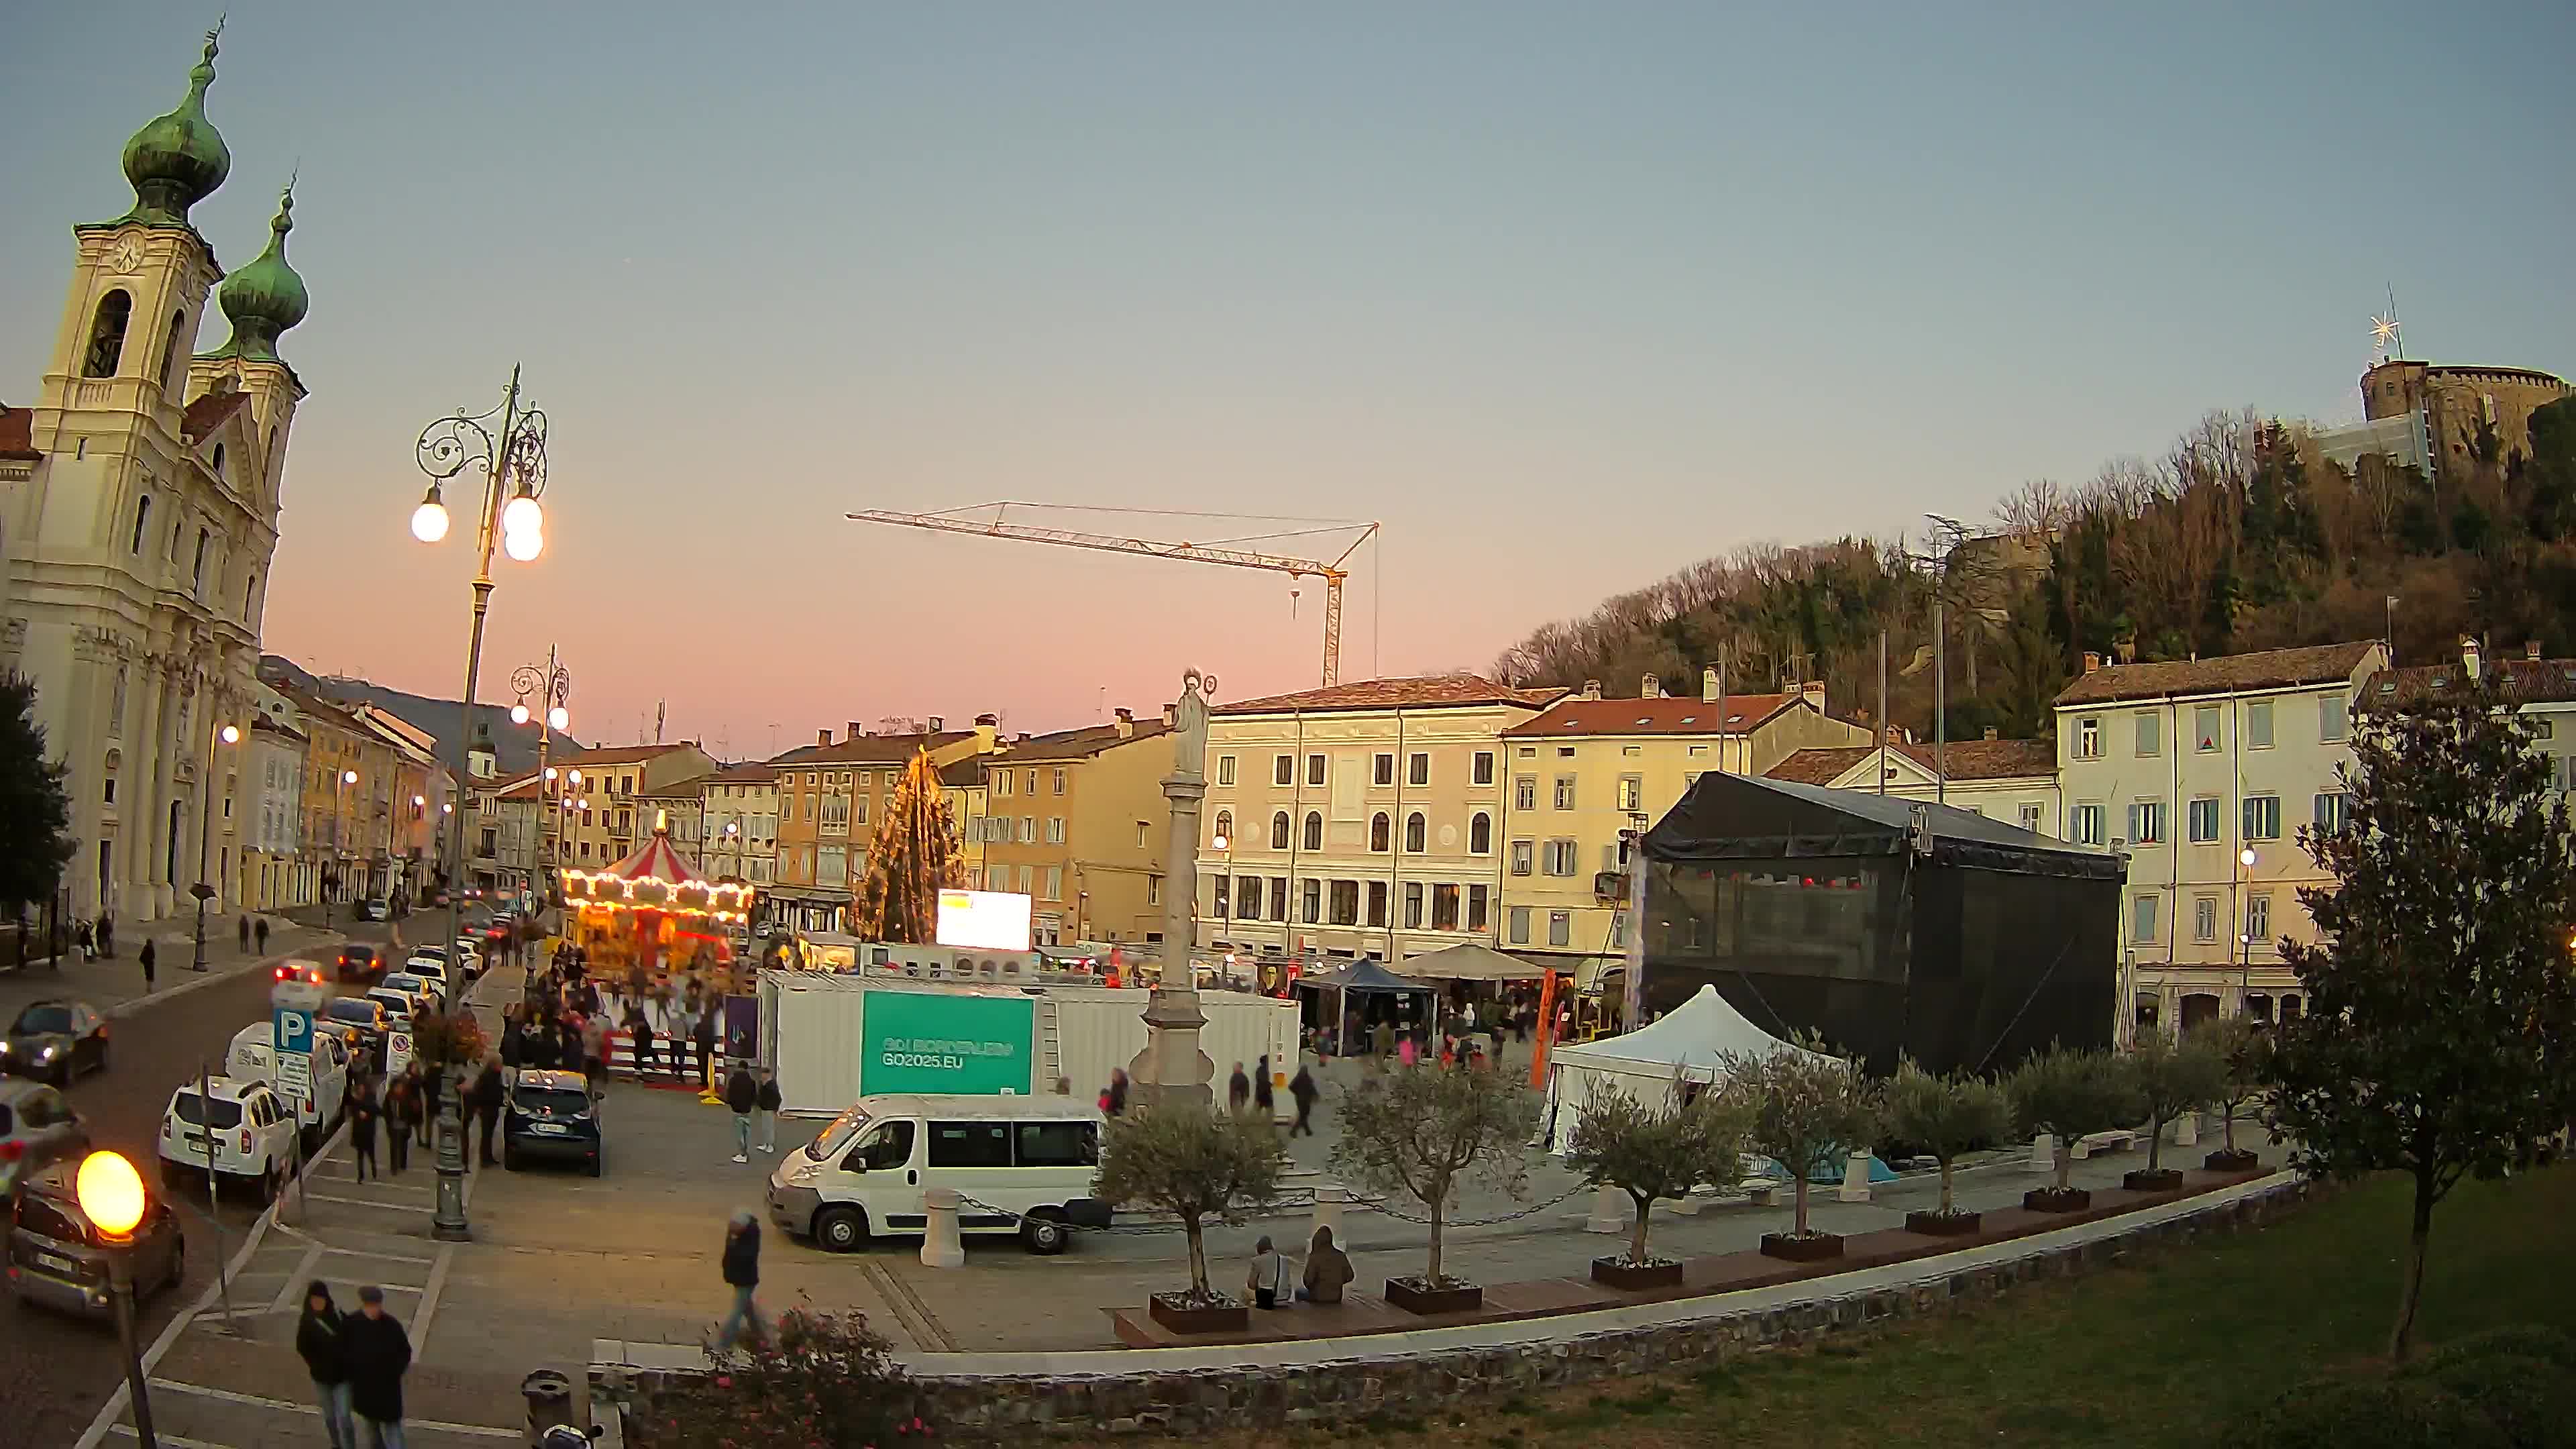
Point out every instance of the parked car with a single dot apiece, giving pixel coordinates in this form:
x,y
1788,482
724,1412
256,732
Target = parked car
x,y
251,1130
253,1056
1033,1158
551,1115
422,989
58,1259
397,1006
363,1016
361,961
37,1127
55,1039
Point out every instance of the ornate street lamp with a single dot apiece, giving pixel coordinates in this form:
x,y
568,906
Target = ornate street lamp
x,y
551,684
513,461
224,735
111,1197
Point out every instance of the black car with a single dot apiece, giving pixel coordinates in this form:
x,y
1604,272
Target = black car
x,y
362,961
59,1260
365,1017
551,1114
56,1040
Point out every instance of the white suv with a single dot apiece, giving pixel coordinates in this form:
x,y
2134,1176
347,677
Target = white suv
x,y
252,1127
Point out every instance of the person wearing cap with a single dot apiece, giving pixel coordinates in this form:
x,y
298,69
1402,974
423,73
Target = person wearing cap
x,y
378,1355
321,1338
742,1273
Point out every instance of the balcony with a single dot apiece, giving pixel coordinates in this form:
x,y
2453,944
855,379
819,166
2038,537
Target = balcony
x,y
1610,887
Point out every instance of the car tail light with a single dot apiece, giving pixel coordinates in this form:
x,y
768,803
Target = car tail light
x,y
245,1141
12,1150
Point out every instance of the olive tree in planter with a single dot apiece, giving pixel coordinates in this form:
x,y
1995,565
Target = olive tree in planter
x,y
1425,1131
2071,1095
2246,1055
1944,1117
1652,1152
1195,1164
1804,1109
2173,1078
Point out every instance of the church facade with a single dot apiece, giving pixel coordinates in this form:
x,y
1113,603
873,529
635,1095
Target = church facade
x,y
141,512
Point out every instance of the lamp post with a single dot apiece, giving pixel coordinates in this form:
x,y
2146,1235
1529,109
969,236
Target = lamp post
x,y
224,735
514,477
552,685
111,1197
2244,931
331,875
1224,845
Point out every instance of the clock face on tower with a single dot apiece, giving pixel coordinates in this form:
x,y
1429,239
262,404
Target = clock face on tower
x,y
127,258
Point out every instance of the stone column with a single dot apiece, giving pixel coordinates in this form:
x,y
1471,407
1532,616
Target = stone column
x,y
1171,1069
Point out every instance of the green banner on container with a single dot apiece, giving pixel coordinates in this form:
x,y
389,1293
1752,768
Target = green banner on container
x,y
919,1041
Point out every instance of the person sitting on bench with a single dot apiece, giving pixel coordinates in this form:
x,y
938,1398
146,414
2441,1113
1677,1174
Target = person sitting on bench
x,y
1327,1269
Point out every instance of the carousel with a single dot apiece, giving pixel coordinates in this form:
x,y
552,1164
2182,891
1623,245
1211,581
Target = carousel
x,y
652,917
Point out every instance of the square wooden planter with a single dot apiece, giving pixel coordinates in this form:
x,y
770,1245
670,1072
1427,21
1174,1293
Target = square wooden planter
x,y
1617,1272
1415,1296
2052,1200
1813,1248
2223,1160
1175,1312
2162,1179
1943,1225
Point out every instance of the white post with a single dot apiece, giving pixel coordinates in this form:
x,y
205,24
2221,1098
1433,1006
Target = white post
x,y
1609,1211
940,1246
1329,1201
2043,1154
1855,1186
2187,1130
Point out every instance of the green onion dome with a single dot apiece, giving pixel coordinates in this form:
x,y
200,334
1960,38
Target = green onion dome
x,y
266,297
179,159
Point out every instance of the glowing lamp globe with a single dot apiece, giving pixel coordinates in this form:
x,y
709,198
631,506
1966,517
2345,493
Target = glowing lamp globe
x,y
429,521
110,1193
523,546
559,717
576,777
523,514
348,777
231,735
1219,842
518,714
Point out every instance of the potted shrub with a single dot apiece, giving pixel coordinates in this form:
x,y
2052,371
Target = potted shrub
x,y
2173,1078
1425,1131
1945,1116
2071,1094
1652,1152
1195,1164
2247,1056
1804,1110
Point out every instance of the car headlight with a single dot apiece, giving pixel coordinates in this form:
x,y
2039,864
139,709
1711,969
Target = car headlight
x,y
805,1172
46,1055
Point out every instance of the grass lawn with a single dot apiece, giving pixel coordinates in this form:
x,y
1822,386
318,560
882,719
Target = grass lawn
x,y
2169,1352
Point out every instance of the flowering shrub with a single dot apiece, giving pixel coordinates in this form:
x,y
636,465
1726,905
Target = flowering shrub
x,y
814,1381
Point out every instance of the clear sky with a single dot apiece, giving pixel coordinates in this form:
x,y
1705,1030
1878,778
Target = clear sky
x,y
1567,295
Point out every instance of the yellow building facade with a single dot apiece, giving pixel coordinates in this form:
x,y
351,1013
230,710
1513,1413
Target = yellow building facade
x,y
1076,821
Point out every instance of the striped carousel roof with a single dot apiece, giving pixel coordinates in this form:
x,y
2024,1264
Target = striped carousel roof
x,y
655,859
656,876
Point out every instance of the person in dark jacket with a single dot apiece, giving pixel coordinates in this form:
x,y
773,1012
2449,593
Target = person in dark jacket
x,y
402,1119
362,1113
148,958
742,1272
485,1095
378,1355
245,935
639,1029
769,1100
705,1038
742,1095
1263,1100
514,1042
1117,1103
1327,1269
1302,1088
321,1339
1238,1090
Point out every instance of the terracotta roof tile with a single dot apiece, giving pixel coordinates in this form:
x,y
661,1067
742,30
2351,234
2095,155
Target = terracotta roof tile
x,y
1968,760
2227,674
1651,716
18,434
208,412
2536,680
1427,691
876,749
1078,744
762,773
619,754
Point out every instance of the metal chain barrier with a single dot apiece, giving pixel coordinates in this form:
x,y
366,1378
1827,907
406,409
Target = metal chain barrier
x,y
1150,1229
1447,1223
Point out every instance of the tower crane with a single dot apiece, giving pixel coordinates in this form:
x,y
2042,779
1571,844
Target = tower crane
x,y
970,521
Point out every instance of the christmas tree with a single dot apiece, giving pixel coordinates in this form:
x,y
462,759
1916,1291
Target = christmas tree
x,y
911,859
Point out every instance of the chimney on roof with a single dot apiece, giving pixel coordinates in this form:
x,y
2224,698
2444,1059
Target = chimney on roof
x,y
1126,724
939,724
1592,689
855,731
1814,690
988,728
1651,688
2469,656
2092,661
1167,717
1708,685
2531,650
994,720
822,737
1990,732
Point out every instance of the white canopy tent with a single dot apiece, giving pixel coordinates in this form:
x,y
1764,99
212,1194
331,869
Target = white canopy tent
x,y
1468,961
1689,1042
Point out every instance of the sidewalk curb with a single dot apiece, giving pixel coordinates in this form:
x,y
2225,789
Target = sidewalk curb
x,y
105,1421
199,983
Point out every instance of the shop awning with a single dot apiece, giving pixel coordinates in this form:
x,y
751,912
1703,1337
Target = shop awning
x,y
1468,961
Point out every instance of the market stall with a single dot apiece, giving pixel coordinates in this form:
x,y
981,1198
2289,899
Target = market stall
x,y
1381,1003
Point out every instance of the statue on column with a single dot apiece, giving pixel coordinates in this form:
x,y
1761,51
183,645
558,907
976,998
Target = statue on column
x,y
1171,1070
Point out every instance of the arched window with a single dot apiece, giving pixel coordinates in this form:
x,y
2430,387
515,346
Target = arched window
x,y
219,460
1413,832
1314,830
1224,829
142,517
250,592
1480,834
107,335
1279,831
170,351
1378,830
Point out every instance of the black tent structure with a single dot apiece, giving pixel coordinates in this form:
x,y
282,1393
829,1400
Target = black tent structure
x,y
1366,979
1891,926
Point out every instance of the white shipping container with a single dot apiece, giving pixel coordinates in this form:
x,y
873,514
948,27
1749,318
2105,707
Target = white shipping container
x,y
812,1021
1097,1028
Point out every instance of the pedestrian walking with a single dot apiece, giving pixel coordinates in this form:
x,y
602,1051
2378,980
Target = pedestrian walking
x,y
706,1042
639,1028
107,940
148,957
245,934
742,1273
402,1119
1238,1090
362,1113
514,1042
1263,1100
1302,1090
379,1354
321,1340
485,1094
1267,1281
683,1025
594,1047
743,1096
82,937
769,1100
1406,1051
259,929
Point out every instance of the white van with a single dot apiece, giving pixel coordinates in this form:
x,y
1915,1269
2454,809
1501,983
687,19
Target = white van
x,y
253,1057
1023,1165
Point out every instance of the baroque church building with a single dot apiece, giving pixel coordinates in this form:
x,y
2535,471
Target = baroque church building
x,y
141,514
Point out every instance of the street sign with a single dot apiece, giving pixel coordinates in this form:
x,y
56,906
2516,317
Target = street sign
x,y
291,1032
397,1052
